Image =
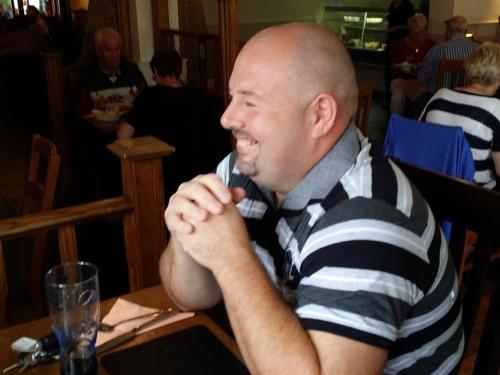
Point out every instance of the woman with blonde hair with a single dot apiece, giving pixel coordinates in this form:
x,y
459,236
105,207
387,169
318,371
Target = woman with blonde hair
x,y
475,109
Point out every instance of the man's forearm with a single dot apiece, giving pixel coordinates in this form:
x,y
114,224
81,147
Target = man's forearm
x,y
188,284
268,332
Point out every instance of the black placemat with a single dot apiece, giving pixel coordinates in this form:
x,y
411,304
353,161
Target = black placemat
x,y
194,351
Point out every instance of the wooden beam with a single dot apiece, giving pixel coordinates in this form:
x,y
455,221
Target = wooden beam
x,y
229,41
144,229
67,244
26,225
123,26
3,289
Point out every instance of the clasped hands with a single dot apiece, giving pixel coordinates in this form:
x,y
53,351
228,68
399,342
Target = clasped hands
x,y
203,218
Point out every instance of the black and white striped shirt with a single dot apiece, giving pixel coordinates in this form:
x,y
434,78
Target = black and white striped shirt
x,y
356,250
479,116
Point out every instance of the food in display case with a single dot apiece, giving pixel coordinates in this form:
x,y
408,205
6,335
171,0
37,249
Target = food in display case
x,y
359,28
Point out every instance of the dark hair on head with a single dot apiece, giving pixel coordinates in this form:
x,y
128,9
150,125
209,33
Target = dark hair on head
x,y
167,62
33,9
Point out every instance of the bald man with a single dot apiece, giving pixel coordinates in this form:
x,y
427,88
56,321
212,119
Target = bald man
x,y
108,86
110,82
328,261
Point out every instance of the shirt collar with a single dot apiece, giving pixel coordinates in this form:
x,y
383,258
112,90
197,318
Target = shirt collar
x,y
458,37
110,75
326,173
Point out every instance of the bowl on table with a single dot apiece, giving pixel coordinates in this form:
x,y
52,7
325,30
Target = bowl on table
x,y
106,115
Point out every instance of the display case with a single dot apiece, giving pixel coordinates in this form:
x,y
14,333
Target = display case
x,y
363,30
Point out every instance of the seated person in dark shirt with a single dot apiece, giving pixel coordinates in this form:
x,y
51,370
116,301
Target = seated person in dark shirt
x,y
109,83
37,23
181,116
19,41
108,86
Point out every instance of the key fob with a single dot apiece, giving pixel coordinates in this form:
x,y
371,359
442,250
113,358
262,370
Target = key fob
x,y
49,343
24,345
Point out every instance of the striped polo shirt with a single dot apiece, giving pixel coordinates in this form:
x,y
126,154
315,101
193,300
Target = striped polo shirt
x,y
479,116
355,250
458,47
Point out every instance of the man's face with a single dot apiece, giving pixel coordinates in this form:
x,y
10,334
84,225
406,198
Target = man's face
x,y
267,118
416,32
109,52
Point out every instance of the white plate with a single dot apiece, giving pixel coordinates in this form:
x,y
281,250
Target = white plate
x,y
105,115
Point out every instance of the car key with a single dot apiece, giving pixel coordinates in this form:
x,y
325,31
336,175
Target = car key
x,y
29,360
18,364
12,367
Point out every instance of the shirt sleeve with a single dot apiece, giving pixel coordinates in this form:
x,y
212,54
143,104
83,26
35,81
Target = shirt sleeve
x,y
428,66
496,137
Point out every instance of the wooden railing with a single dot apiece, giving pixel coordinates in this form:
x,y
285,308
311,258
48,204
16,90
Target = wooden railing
x,y
141,208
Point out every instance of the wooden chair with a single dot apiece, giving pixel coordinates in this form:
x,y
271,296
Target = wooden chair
x,y
42,175
39,190
365,93
451,73
467,206
140,208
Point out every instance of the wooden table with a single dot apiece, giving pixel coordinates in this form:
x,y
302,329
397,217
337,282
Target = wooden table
x,y
151,297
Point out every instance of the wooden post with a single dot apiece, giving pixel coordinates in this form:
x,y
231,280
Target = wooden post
x,y
229,41
3,289
145,231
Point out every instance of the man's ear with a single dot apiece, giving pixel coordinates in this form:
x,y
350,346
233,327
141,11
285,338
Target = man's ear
x,y
322,114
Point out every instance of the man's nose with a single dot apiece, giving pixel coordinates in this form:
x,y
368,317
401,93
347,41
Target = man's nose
x,y
229,119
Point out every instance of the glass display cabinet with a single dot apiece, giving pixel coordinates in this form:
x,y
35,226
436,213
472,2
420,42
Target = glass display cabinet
x,y
363,30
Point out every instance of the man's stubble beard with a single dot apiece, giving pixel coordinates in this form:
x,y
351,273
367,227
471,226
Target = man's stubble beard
x,y
247,168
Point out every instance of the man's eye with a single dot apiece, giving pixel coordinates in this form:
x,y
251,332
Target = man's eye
x,y
249,104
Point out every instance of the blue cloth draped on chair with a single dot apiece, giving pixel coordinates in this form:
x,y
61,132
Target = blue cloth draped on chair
x,y
439,148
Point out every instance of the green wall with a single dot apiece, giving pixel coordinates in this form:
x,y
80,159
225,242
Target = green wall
x,y
255,15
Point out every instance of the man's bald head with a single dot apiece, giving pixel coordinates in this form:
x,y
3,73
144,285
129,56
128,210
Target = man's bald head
x,y
457,25
317,62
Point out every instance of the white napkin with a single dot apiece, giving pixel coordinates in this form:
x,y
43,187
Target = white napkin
x,y
123,309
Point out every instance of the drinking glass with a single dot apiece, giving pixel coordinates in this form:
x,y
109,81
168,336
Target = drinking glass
x,y
73,299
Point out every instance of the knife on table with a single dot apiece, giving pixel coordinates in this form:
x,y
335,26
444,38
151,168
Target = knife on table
x,y
129,335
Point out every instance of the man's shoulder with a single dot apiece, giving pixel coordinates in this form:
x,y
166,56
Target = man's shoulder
x,y
437,48
387,197
126,64
88,73
430,42
90,68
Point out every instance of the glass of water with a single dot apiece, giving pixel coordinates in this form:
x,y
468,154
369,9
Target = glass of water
x,y
73,299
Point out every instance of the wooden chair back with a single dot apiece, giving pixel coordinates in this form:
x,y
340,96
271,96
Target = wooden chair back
x,y
41,179
365,94
468,207
451,73
39,190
